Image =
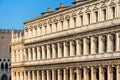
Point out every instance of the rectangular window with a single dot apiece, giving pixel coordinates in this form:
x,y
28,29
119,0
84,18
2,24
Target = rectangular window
x,y
50,28
56,26
104,14
45,30
113,12
96,16
81,19
68,23
40,30
74,21
62,24
88,17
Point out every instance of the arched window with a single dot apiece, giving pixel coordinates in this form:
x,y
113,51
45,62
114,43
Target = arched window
x,y
4,77
2,66
6,65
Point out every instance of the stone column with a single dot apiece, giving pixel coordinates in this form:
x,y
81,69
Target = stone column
x,y
66,49
86,74
54,51
43,52
101,73
21,55
65,74
38,75
21,75
43,75
110,73
17,57
17,76
33,75
59,74
101,43
71,74
34,53
29,54
53,74
118,72
93,45
79,75
110,43
25,75
93,75
117,41
72,48
48,75
25,55
13,75
118,8
49,56
79,47
60,49
29,75
85,46
38,53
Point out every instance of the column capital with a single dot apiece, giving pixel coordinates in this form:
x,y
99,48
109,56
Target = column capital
x,y
72,42
111,37
102,38
79,41
110,68
49,46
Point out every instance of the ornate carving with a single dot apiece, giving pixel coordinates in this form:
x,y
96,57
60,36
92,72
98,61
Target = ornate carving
x,y
94,39
88,10
61,18
54,46
74,15
55,20
60,44
112,4
67,17
111,37
31,28
72,42
35,27
66,43
80,41
110,69
103,6
87,41
40,24
45,23
81,11
49,46
50,21
26,29
102,38
95,7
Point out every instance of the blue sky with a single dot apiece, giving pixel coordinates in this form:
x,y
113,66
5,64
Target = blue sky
x,y
14,12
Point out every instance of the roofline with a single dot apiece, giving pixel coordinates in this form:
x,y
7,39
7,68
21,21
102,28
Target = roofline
x,y
58,11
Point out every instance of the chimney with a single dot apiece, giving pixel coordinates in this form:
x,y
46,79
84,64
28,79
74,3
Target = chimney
x,y
49,9
61,5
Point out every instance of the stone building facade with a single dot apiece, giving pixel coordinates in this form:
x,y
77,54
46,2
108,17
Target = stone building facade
x,y
5,39
78,42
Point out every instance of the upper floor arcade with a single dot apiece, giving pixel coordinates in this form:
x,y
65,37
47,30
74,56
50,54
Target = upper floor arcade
x,y
79,17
